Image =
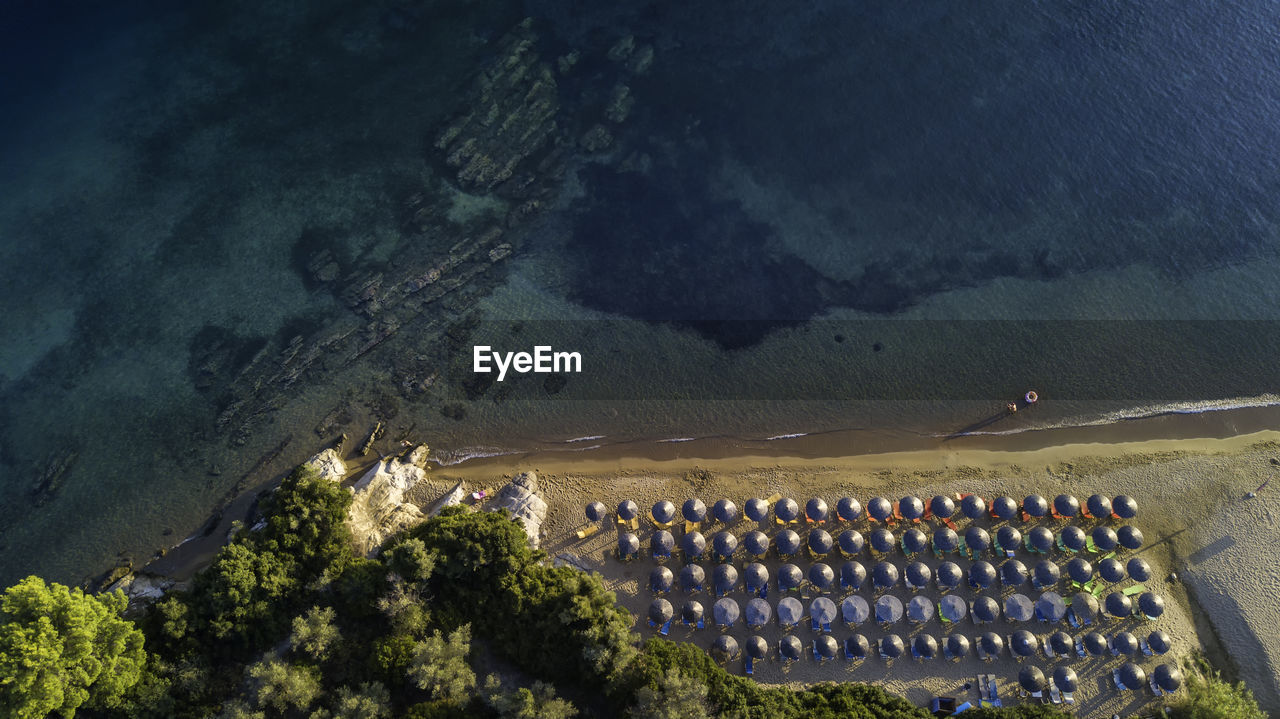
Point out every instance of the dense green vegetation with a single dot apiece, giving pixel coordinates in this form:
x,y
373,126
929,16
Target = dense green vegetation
x,y
1209,697
458,617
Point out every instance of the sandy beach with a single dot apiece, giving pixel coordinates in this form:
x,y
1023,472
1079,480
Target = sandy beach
x,y
1192,510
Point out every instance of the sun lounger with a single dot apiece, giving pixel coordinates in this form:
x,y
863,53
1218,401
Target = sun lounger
x,y
588,531
1146,650
1135,589
1069,697
749,667
995,691
666,628
1054,695
1048,650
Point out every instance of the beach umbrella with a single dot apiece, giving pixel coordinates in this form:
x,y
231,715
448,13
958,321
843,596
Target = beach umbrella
x,y
1124,643
1064,678
725,648
1035,505
1023,643
891,646
973,506
663,513
789,612
725,511
848,509
1018,608
1151,605
1061,643
991,644
884,575
1004,508
1013,573
786,510
1032,679
756,647
1008,539
1084,607
756,577
881,540
757,509
821,576
759,612
660,580
724,578
941,506
1066,506
693,544
888,609
1051,607
596,512
1118,605
1124,507
694,510
1159,642
953,608
1130,537
628,510
911,508
924,646
945,541
1104,538
628,545
691,612
787,543
661,543
756,543
948,576
1046,574
1094,643
789,648
724,545
725,611
823,612
825,647
855,610
819,542
977,540
920,609
1040,540
1131,675
789,577
985,610
1072,539
1139,570
851,542
692,578
982,575
1167,677
815,510
956,647
917,575
852,575
660,612
1098,506
1079,570
914,541
857,647
1111,570
879,509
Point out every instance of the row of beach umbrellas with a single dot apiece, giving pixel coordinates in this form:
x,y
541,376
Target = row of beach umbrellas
x,y
974,542
853,576
910,508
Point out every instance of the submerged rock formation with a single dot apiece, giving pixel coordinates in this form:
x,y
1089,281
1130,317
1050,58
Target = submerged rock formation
x,y
379,509
525,503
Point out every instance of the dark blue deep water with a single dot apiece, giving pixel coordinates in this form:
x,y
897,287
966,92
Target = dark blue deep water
x,y
806,217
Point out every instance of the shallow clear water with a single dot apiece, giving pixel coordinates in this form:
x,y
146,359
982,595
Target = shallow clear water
x,y
800,226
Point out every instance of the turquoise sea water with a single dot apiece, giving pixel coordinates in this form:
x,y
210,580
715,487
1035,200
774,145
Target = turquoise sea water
x,y
807,221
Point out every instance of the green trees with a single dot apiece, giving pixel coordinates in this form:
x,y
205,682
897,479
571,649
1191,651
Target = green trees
x,y
536,702
281,686
440,667
1209,697
60,650
675,697
314,633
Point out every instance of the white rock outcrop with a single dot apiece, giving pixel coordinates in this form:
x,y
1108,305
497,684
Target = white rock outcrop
x,y
379,509
329,465
525,503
